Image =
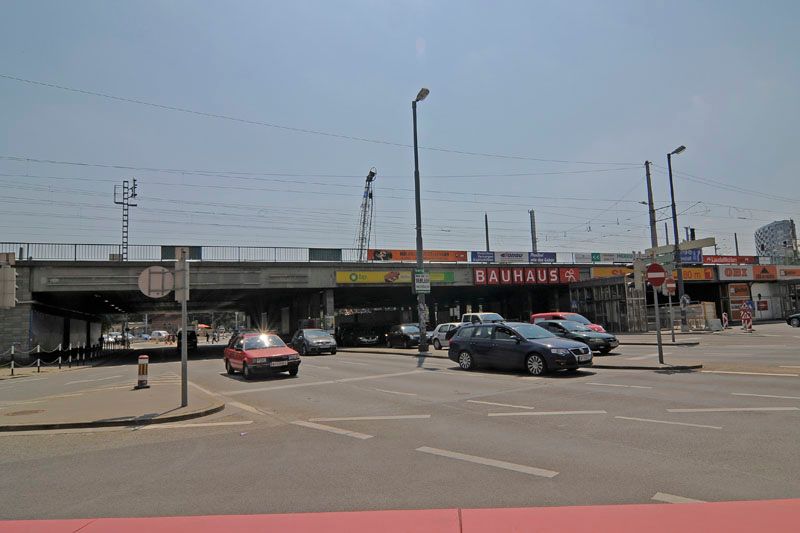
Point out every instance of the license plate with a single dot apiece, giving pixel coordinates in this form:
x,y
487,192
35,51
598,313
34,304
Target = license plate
x,y
279,363
584,357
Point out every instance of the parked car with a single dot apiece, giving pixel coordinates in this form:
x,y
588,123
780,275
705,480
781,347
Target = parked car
x,y
260,353
307,341
159,335
191,343
481,318
793,320
405,335
439,336
575,317
358,336
598,342
144,336
516,345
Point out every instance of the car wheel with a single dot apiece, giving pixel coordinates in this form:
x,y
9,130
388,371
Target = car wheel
x,y
388,343
228,368
333,351
294,371
436,344
465,361
246,372
795,322
605,351
303,350
535,365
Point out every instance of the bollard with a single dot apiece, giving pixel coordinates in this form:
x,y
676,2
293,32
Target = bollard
x,y
59,362
144,360
38,366
12,367
69,361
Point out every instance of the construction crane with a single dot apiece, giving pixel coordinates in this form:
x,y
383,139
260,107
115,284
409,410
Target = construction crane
x,y
365,219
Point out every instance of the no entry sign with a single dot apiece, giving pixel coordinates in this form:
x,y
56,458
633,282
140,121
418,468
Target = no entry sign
x,y
656,274
670,285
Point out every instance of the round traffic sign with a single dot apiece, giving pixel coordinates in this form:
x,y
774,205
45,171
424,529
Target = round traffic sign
x,y
156,281
670,285
656,274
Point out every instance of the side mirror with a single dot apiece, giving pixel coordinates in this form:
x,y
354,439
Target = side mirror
x,y
517,340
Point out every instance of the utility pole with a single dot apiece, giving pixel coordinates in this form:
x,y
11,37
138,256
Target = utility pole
x,y
534,247
736,242
651,208
666,232
486,227
123,194
421,307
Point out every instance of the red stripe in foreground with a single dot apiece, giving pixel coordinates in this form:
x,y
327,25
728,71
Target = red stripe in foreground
x,y
730,517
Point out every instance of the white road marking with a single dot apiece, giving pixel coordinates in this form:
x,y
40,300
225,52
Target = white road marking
x,y
671,498
396,392
532,470
617,385
646,356
502,404
350,362
747,373
766,396
89,380
326,382
547,413
245,407
198,425
385,417
667,422
789,366
316,366
332,429
732,409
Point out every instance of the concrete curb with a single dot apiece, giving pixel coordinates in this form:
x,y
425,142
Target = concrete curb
x,y
687,343
133,421
680,368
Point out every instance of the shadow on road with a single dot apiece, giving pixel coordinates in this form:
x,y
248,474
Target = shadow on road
x,y
162,354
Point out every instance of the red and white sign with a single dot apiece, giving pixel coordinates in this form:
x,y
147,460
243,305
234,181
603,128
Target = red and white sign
x,y
524,276
729,259
670,285
733,273
656,274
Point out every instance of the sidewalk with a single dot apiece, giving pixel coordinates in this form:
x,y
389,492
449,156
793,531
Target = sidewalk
x,y
105,407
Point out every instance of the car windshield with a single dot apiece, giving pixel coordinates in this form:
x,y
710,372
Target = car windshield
x,y
570,325
263,341
580,319
316,333
410,329
532,331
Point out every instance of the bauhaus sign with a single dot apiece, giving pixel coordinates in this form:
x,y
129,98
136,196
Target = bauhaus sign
x,y
524,276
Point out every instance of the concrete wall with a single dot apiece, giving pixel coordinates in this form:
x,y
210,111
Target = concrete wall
x,y
15,322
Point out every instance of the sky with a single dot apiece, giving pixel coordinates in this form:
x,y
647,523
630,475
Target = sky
x,y
556,104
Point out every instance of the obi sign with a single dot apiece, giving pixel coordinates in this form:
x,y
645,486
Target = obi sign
x,y
524,276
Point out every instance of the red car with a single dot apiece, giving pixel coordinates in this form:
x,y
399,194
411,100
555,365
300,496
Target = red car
x,y
575,317
260,353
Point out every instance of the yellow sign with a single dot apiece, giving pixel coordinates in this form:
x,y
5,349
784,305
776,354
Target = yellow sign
x,y
696,274
610,272
387,277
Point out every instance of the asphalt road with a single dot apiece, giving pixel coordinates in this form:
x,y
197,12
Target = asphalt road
x,y
377,431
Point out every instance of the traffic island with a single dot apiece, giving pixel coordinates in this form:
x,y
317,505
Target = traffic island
x,y
111,406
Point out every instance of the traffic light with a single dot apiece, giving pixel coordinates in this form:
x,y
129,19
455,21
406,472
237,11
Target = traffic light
x,y
8,286
637,275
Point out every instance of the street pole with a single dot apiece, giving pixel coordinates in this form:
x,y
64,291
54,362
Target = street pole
x,y
677,252
182,294
486,226
736,243
666,233
534,247
423,336
658,326
650,207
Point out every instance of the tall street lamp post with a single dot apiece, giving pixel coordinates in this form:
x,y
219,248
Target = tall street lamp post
x,y
677,251
421,309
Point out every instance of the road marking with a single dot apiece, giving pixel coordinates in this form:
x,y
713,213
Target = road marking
x,y
198,425
732,409
547,413
766,396
89,380
332,429
746,373
316,366
532,470
667,422
396,392
316,383
647,356
671,498
502,404
245,407
385,417
789,366
617,385
350,362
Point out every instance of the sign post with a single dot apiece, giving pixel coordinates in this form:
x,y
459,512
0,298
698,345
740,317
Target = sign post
x,y
656,275
182,295
669,289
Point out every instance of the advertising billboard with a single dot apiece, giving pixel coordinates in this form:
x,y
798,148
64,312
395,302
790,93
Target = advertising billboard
x,y
541,257
735,273
411,255
524,275
729,259
696,273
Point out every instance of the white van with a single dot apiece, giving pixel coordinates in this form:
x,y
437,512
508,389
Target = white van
x,y
481,318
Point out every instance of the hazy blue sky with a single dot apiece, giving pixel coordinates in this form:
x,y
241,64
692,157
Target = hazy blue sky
x,y
609,82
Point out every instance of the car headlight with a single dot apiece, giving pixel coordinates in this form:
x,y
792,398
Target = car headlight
x,y
294,356
559,351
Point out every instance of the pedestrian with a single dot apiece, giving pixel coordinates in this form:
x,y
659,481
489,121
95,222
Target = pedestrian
x,y
208,336
101,339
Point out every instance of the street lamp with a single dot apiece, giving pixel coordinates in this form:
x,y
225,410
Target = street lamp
x,y
677,251
423,335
